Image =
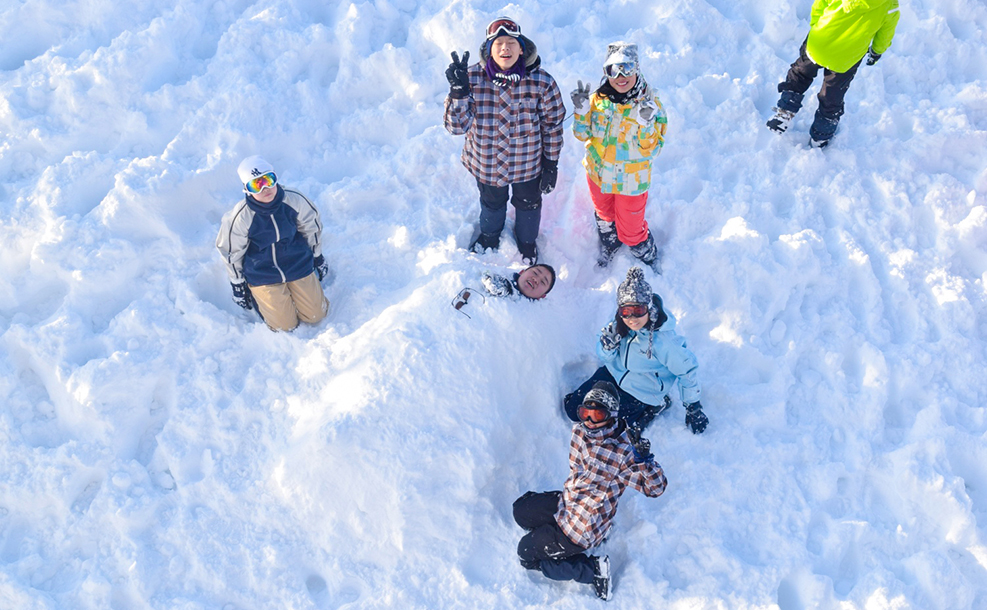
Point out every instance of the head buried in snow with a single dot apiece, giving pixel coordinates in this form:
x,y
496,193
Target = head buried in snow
x,y
536,281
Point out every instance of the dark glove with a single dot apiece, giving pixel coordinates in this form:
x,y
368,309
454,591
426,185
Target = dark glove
x,y
872,57
641,446
321,266
695,417
497,285
458,77
242,296
580,98
609,337
549,174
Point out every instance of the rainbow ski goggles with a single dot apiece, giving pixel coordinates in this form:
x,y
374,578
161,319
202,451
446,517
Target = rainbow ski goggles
x,y
256,185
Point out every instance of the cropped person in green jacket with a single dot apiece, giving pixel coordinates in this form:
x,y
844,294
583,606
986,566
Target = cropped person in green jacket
x,y
841,33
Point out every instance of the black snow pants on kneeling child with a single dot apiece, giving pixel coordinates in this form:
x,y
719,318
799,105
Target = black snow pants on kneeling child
x,y
545,547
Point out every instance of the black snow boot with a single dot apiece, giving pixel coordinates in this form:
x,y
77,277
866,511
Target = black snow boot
x,y
609,243
529,253
822,131
484,242
601,577
788,105
648,252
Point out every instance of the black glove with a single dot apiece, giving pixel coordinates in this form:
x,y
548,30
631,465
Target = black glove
x,y
641,446
497,285
609,337
695,417
549,174
872,57
458,77
321,266
242,296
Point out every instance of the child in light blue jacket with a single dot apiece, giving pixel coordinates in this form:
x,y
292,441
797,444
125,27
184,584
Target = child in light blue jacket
x,y
644,357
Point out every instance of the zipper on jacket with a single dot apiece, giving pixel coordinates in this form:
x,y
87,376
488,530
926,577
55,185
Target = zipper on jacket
x,y
274,254
627,353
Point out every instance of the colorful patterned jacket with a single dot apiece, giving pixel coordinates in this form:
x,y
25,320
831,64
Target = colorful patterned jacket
x,y
601,466
619,143
841,31
508,129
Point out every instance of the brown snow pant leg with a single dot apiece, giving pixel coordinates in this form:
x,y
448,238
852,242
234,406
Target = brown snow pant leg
x,y
282,305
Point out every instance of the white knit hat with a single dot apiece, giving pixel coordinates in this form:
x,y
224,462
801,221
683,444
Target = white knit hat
x,y
251,167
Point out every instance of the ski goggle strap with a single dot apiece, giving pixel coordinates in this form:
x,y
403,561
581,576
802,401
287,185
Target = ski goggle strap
x,y
503,25
625,68
256,185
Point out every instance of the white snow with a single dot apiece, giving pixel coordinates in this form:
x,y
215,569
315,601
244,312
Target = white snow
x,y
162,449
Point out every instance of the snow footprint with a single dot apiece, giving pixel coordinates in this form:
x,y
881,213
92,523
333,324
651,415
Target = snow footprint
x,y
349,592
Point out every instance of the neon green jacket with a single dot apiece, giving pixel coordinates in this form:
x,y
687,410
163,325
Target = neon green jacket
x,y
840,31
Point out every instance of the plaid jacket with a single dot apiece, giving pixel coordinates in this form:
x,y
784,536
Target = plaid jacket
x,y
601,466
508,129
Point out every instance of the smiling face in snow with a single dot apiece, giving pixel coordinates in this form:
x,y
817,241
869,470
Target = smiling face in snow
x,y
623,84
535,281
505,50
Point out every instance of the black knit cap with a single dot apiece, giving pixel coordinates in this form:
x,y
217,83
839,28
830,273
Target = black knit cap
x,y
604,394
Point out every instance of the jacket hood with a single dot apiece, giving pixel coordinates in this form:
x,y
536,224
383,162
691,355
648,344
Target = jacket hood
x,y
531,59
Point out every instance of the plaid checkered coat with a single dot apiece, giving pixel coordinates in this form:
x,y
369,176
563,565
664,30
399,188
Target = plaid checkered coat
x,y
601,466
508,129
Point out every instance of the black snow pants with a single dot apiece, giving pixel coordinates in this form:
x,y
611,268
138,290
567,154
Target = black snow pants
x,y
545,547
834,87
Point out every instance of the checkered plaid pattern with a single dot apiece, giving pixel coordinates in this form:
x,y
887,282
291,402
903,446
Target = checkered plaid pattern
x,y
601,466
508,129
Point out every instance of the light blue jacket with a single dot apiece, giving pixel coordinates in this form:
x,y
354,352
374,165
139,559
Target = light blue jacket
x,y
649,379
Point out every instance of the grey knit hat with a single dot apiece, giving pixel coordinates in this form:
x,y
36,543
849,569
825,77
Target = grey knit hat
x,y
634,289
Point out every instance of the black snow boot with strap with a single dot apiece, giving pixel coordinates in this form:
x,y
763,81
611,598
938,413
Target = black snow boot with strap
x,y
648,252
609,243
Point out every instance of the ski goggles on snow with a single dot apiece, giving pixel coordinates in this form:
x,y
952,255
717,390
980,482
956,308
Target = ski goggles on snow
x,y
503,25
632,311
592,412
625,68
463,298
256,185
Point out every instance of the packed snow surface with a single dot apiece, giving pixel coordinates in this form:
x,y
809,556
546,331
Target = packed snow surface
x,y
161,448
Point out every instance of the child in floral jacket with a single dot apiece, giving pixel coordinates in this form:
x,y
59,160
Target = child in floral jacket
x,y
623,125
